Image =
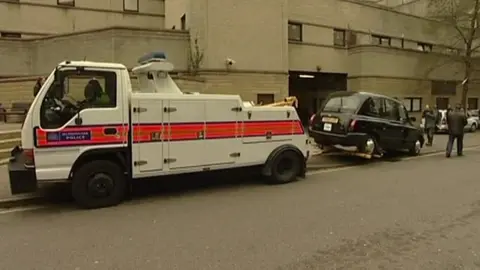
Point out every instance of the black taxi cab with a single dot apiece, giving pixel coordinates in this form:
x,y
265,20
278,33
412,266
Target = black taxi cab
x,y
365,123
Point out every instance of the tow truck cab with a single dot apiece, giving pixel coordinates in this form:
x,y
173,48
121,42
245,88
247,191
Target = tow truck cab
x,y
87,127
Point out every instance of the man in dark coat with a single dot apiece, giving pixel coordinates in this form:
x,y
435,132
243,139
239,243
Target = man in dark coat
x,y
456,121
430,124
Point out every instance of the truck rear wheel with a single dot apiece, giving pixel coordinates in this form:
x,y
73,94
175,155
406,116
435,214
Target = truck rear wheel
x,y
98,184
285,168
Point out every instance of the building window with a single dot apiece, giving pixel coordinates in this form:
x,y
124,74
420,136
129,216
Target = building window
x,y
130,5
444,88
10,35
183,22
424,47
351,38
263,99
413,104
339,37
70,3
295,31
472,104
452,51
381,40
402,43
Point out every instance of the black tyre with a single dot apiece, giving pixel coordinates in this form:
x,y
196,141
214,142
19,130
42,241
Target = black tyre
x,y
99,184
285,168
416,148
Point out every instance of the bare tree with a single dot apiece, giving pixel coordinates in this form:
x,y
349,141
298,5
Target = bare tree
x,y
462,17
195,57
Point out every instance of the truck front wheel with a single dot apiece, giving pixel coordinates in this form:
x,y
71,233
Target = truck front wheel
x,y
98,184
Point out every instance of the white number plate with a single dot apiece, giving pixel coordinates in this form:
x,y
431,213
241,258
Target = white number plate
x,y
327,127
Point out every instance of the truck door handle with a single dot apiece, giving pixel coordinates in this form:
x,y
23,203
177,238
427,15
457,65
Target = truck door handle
x,y
110,131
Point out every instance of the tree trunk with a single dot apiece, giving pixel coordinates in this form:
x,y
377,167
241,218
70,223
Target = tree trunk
x,y
465,95
466,82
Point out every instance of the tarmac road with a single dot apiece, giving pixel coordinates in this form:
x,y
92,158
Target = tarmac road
x,y
422,213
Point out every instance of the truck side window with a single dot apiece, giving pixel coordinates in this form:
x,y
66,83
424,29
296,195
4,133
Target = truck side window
x,y
77,91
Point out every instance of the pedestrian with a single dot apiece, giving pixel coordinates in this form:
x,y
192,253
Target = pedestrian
x,y
430,123
38,85
437,114
456,121
449,108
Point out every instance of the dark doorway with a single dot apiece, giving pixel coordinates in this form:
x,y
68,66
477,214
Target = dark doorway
x,y
311,89
442,103
263,99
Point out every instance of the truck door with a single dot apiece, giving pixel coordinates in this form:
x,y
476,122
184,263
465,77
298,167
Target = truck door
x,y
72,119
223,131
185,120
148,136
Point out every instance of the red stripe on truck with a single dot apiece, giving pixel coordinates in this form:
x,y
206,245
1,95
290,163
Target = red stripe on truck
x,y
95,135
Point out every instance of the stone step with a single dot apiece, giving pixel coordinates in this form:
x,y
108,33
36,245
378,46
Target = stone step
x,y
10,134
4,154
10,143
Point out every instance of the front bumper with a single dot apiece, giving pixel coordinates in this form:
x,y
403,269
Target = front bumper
x,y
22,179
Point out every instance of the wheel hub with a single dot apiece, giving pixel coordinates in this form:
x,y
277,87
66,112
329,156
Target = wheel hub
x,y
369,146
100,185
418,146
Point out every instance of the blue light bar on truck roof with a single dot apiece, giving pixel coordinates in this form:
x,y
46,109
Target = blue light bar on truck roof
x,y
152,57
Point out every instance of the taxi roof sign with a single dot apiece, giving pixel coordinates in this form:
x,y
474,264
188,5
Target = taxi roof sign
x,y
152,57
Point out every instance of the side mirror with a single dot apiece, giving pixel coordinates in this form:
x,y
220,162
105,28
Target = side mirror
x,y
413,119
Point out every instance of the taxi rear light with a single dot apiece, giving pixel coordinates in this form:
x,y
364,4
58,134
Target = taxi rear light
x,y
351,127
312,118
29,157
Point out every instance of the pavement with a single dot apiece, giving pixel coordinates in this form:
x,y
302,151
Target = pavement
x,y
419,213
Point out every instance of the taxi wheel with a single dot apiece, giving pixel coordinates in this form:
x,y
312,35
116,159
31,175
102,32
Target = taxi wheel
x,y
416,148
285,168
369,146
473,128
98,184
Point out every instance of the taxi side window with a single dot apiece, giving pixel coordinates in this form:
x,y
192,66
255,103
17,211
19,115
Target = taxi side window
x,y
403,112
391,110
372,107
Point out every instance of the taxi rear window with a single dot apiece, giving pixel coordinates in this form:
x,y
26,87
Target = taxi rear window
x,y
345,104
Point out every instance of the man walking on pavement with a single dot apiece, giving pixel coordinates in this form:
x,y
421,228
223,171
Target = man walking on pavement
x,y
430,123
456,121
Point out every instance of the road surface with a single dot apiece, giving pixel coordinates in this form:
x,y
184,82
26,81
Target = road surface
x,y
422,213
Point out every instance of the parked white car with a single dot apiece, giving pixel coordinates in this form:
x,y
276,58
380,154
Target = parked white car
x,y
473,122
475,114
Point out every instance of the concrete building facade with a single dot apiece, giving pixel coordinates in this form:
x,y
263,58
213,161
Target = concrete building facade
x,y
261,49
33,18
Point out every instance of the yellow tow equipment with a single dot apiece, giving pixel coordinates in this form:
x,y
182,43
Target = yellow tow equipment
x,y
288,101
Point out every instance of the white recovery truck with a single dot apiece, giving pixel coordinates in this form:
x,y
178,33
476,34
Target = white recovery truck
x,y
87,127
